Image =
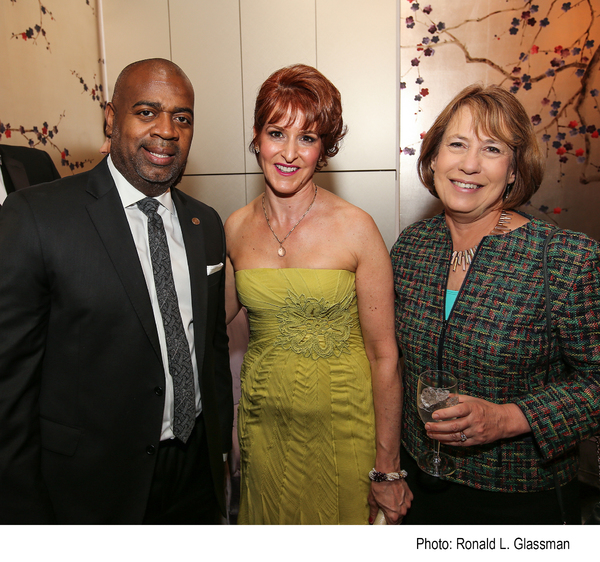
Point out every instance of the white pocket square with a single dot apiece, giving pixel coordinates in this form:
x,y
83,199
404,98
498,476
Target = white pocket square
x,y
210,269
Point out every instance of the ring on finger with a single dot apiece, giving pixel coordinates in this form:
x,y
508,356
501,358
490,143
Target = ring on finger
x,y
463,437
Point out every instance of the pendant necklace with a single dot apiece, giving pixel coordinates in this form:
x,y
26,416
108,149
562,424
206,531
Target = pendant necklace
x,y
464,257
281,251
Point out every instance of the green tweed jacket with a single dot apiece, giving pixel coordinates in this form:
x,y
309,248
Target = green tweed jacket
x,y
495,343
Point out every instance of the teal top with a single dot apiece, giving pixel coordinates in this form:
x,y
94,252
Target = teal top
x,y
450,300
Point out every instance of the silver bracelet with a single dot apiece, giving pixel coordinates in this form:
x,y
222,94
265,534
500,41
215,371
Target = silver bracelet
x,y
387,476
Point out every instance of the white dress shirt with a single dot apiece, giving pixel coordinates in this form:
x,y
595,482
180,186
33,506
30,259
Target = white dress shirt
x,y
138,222
3,193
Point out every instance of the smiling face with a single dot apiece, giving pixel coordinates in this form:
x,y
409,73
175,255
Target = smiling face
x,y
471,169
288,154
151,125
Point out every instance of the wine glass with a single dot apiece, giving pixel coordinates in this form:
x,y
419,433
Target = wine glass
x,y
436,390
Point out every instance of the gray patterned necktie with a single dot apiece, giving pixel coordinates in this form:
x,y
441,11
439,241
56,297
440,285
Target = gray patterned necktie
x,y
178,351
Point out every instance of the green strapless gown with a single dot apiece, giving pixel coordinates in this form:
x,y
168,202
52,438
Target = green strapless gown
x,y
306,423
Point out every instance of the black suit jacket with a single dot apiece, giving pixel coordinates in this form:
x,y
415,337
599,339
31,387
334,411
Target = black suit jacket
x,y
81,375
22,167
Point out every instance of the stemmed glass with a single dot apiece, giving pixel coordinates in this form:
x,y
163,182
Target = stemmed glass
x,y
436,390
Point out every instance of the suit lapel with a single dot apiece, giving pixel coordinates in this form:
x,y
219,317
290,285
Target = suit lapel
x,y
109,218
194,240
16,171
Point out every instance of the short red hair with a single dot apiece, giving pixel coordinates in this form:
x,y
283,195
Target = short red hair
x,y
301,88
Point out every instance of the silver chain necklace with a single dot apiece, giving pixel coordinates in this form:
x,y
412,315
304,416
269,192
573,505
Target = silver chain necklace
x,y
464,257
281,250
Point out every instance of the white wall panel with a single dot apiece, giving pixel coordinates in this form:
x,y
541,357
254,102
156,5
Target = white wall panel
x,y
205,40
228,48
255,185
225,193
275,33
134,30
356,50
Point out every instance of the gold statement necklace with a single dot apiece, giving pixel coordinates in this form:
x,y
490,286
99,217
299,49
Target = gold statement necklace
x,y
281,250
464,257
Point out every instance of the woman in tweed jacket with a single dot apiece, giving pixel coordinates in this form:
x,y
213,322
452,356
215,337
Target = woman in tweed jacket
x,y
470,300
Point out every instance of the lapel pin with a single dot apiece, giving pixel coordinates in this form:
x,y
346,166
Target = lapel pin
x,y
196,221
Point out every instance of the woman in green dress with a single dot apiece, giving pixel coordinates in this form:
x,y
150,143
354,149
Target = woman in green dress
x,y
321,393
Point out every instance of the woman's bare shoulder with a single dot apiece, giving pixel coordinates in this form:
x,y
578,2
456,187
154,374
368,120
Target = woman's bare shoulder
x,y
344,209
352,219
239,218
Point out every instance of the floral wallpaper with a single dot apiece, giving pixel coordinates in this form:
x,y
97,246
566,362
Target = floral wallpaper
x,y
51,96
547,53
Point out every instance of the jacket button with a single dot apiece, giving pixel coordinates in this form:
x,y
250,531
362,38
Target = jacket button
x,y
158,391
150,449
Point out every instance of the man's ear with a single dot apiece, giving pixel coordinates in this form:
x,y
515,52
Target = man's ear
x,y
109,116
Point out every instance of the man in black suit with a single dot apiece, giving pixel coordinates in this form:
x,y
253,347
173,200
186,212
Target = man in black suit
x,y
115,388
22,167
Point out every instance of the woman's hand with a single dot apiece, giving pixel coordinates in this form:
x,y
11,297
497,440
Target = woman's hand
x,y
475,421
393,498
